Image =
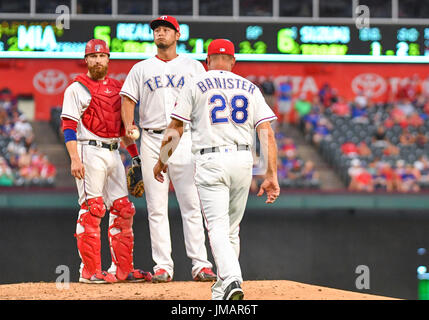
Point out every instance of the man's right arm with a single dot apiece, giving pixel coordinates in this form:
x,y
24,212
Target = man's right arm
x,y
130,93
127,115
70,116
269,148
77,168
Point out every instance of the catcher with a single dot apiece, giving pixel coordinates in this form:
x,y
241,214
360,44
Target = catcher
x,y
93,129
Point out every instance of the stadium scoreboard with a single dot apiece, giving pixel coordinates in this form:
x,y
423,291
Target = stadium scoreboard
x,y
249,38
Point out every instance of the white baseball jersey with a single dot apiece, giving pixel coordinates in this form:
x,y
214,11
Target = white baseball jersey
x,y
156,84
223,109
104,171
76,100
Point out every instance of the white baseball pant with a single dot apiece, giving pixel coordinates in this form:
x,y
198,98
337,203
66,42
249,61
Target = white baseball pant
x,y
180,172
223,180
104,177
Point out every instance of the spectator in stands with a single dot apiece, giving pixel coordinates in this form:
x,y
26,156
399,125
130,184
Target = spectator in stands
x,y
284,100
286,144
408,181
379,137
7,128
22,127
341,108
269,90
8,102
281,170
21,154
6,174
290,159
425,112
388,174
291,166
391,149
322,130
310,176
327,95
380,140
350,149
419,102
16,146
317,105
399,170
406,138
363,149
281,174
379,179
47,171
361,180
355,168
29,173
359,111
415,120
422,164
302,106
421,138
406,106
310,120
294,173
3,116
361,100
396,116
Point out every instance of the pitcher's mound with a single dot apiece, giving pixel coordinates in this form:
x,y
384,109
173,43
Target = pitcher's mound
x,y
175,290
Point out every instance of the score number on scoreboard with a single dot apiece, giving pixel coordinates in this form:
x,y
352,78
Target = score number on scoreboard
x,y
342,40
265,38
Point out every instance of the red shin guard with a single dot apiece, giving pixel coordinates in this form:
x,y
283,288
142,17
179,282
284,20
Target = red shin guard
x,y
121,236
88,241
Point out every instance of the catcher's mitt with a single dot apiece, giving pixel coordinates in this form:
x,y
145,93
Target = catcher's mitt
x,y
135,179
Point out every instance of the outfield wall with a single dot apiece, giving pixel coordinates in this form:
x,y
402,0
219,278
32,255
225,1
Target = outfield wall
x,y
321,246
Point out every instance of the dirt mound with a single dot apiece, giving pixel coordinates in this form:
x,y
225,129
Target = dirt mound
x,y
176,290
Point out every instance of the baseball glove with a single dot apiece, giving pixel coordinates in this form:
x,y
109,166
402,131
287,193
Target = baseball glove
x,y
135,179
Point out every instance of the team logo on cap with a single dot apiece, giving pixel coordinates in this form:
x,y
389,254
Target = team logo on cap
x,y
222,49
163,17
97,47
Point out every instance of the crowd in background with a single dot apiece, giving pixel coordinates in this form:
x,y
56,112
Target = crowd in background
x,y
293,171
21,163
393,156
400,122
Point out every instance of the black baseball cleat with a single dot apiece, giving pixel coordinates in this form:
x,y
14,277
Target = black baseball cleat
x,y
234,292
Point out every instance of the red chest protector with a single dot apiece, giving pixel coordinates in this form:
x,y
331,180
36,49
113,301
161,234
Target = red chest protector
x,y
103,115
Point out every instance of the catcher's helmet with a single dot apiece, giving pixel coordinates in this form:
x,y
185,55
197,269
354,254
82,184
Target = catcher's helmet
x,y
96,46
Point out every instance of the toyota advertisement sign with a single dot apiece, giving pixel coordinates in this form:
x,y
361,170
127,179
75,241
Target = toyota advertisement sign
x,y
47,79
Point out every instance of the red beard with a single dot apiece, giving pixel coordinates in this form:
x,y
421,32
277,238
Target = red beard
x,y
97,73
